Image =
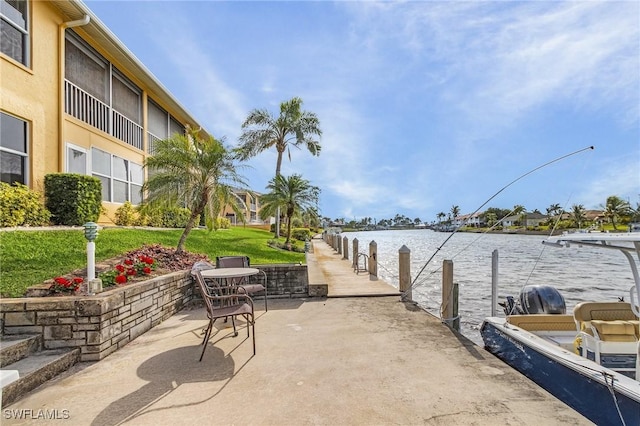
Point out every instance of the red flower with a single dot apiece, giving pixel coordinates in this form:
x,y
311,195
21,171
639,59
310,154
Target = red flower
x,y
148,261
128,262
121,279
120,268
61,280
77,280
146,270
131,271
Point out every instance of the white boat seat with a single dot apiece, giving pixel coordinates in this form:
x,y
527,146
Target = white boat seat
x,y
614,331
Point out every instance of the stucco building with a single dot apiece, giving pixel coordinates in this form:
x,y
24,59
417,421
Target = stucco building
x,y
75,99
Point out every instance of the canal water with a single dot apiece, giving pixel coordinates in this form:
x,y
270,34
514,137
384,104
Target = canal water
x,y
580,274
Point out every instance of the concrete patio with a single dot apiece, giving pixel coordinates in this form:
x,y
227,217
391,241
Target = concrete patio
x,y
319,361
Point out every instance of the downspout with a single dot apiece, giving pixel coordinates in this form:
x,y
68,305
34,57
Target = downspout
x,y
61,70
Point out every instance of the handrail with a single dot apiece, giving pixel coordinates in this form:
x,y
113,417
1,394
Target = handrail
x,y
356,263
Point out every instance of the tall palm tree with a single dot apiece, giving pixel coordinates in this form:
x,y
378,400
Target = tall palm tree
x,y
578,214
293,127
292,194
615,208
455,212
194,170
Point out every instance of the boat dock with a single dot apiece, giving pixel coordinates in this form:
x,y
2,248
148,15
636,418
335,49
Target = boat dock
x,y
334,360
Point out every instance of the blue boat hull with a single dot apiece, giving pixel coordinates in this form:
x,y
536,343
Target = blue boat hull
x,y
590,398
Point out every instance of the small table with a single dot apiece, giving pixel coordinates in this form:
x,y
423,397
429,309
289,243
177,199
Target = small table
x,y
226,273
232,276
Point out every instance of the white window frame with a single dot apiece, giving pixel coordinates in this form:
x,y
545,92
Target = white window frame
x,y
111,177
87,163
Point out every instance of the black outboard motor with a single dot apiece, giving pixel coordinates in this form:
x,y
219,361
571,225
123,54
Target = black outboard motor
x,y
541,299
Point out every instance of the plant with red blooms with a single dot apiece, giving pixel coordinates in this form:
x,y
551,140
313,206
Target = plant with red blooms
x,y
129,268
62,285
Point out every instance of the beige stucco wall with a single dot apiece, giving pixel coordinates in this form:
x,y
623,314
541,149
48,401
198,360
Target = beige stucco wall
x,y
31,93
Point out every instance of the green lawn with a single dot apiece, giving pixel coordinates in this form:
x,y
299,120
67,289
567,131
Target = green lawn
x,y
31,257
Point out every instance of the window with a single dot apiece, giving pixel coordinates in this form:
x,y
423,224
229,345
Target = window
x,y
13,149
86,68
101,168
125,98
175,127
158,121
14,30
121,179
76,160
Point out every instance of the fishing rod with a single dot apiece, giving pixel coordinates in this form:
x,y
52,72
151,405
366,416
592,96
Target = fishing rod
x,y
491,198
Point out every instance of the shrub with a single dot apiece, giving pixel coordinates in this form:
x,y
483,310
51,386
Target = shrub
x,y
218,223
289,247
126,215
20,206
73,199
164,217
301,234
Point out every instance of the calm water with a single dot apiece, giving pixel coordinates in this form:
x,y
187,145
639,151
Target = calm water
x,y
580,274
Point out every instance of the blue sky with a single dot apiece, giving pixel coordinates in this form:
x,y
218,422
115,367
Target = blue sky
x,y
423,105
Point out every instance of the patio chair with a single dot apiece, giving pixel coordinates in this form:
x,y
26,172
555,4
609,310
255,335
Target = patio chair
x,y
244,262
224,302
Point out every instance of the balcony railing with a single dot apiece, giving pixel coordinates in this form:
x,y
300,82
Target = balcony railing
x,y
96,113
85,107
151,143
126,130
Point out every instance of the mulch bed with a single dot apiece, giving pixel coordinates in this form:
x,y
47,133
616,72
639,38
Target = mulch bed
x,y
166,260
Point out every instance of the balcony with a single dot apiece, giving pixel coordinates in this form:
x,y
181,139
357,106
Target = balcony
x,y
96,113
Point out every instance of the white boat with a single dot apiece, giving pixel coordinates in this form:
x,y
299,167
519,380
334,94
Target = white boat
x,y
590,359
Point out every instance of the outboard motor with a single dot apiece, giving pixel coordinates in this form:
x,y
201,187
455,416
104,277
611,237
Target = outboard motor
x,y
511,307
541,299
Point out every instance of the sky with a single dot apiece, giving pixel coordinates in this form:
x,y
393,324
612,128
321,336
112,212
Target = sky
x,y
423,105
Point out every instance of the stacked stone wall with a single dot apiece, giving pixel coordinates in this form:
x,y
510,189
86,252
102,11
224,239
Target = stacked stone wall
x,y
105,322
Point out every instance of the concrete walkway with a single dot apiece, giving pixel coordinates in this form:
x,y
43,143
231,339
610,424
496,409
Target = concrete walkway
x,y
340,276
320,361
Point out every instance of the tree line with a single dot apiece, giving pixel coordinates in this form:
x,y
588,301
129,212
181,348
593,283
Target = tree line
x,y
615,211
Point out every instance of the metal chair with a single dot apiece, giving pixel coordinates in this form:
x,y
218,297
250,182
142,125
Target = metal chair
x,y
244,262
223,302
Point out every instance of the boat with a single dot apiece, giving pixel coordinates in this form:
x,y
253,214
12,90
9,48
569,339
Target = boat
x,y
589,359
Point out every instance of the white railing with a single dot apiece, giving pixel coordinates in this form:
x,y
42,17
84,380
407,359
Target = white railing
x,y
85,107
151,143
126,130
94,112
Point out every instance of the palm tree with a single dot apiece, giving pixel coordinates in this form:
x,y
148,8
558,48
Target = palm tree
x,y
455,212
195,170
615,208
578,214
291,194
293,127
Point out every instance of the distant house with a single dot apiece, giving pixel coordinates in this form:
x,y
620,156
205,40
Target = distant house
x,y
472,219
525,219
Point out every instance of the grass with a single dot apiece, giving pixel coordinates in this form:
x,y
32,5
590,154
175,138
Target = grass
x,y
32,257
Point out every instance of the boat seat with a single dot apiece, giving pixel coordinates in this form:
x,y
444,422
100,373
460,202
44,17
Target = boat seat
x,y
543,322
585,312
614,331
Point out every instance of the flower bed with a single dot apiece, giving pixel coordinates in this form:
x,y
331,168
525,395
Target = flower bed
x,y
98,324
102,323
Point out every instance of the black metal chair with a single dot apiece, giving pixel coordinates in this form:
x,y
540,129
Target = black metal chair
x,y
244,262
222,302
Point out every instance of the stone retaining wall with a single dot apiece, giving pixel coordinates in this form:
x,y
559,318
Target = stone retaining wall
x,y
101,324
